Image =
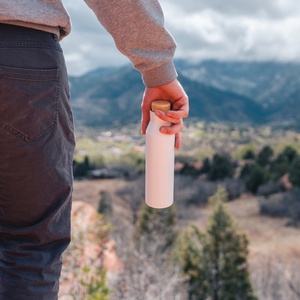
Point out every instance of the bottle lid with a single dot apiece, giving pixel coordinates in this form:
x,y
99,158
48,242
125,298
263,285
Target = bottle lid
x,y
162,105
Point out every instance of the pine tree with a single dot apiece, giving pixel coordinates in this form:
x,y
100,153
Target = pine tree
x,y
220,167
156,225
294,176
105,205
206,166
249,154
265,155
258,176
216,260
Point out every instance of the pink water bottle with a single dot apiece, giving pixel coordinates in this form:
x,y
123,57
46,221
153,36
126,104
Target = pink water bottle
x,y
159,173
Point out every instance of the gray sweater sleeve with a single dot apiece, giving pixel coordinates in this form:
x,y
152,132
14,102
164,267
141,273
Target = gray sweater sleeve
x,y
137,27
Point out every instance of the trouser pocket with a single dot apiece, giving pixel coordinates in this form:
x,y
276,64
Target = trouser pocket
x,y
28,101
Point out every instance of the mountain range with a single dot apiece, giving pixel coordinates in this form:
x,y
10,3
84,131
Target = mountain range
x,y
243,92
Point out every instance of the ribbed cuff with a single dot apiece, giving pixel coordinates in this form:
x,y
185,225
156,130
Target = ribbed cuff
x,y
160,75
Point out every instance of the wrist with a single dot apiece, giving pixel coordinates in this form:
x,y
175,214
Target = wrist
x,y
161,75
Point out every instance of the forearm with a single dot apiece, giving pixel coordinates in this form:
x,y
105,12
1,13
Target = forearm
x,y
137,27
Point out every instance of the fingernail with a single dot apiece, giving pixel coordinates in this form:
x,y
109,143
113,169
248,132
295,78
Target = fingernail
x,y
163,130
169,115
158,113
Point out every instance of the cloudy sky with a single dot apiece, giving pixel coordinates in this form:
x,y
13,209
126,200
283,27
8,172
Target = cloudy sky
x,y
256,30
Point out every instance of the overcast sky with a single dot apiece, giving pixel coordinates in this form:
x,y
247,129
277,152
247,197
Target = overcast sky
x,y
258,30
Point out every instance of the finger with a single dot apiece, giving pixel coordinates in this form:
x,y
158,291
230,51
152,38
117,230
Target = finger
x,y
173,129
177,140
162,115
177,114
145,117
180,108
144,125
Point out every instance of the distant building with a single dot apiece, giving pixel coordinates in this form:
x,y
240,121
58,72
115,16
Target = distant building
x,y
105,173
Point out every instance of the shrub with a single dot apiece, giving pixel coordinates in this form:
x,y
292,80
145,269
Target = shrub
x,y
257,177
234,187
185,159
275,206
286,204
190,191
220,168
96,288
189,170
271,187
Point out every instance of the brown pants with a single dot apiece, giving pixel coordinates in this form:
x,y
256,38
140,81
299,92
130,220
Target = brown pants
x,y
36,153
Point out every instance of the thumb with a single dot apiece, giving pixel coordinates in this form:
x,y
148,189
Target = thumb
x,y
149,96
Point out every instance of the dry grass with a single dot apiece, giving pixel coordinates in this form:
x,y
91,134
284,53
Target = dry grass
x,y
271,243
267,235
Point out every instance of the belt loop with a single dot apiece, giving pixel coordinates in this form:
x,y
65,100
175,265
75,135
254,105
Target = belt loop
x,y
55,38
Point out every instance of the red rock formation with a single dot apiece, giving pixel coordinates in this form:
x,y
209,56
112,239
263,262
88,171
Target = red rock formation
x,y
285,180
89,248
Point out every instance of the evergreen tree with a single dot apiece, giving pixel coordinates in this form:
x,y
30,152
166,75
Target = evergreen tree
x,y
157,225
290,153
246,170
282,164
216,261
265,155
294,176
187,169
249,154
206,166
220,168
105,205
86,163
257,177
278,168
81,169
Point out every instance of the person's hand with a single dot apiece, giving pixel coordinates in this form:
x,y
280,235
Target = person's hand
x,y
174,93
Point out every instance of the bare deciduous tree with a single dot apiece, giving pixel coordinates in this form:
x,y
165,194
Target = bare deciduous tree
x,y
133,194
274,279
148,275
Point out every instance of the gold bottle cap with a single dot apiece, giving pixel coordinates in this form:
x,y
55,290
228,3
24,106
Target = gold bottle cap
x,y
162,105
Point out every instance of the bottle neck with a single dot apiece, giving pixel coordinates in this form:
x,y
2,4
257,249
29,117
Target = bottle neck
x,y
155,119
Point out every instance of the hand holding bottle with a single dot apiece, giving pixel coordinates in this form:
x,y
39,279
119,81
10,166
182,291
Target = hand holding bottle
x,y
160,153
174,93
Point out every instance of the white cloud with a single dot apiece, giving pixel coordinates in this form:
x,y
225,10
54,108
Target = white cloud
x,y
216,29
216,35
269,8
88,46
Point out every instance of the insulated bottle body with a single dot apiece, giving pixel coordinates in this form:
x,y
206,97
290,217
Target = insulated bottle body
x,y
159,168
